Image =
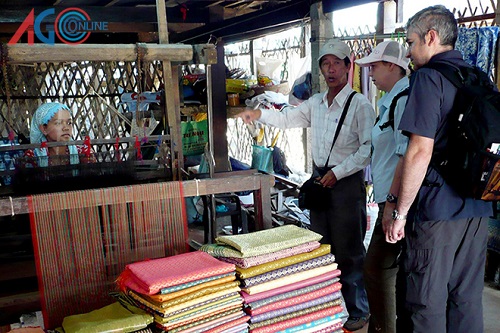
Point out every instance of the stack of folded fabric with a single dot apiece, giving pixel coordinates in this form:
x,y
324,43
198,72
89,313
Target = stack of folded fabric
x,y
289,280
191,292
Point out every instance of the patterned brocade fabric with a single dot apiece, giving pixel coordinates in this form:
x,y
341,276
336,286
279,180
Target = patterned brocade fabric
x,y
198,284
288,270
333,285
295,307
316,324
218,251
244,273
149,277
301,276
333,275
294,321
269,240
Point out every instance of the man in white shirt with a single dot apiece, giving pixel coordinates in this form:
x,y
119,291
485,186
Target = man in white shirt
x,y
342,223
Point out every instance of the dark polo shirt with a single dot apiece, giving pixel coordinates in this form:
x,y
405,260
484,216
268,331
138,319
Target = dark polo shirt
x,y
429,102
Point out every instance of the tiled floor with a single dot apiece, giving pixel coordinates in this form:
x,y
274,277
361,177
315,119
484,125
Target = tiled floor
x,y
491,308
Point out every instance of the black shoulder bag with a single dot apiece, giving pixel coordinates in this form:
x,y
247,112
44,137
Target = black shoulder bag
x,y
312,194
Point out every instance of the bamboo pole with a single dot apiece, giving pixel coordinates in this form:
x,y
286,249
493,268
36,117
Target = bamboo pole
x,y
24,53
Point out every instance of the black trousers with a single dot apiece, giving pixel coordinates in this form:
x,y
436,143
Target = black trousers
x,y
343,226
444,269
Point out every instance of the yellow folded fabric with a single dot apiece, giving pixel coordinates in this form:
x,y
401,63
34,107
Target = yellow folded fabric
x,y
286,280
175,294
111,318
191,296
245,273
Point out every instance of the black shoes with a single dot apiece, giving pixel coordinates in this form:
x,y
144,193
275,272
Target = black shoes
x,y
356,323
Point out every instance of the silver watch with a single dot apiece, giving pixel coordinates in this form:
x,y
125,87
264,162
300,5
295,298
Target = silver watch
x,y
397,216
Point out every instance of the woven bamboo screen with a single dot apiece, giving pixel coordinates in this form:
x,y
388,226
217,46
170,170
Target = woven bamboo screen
x,y
91,89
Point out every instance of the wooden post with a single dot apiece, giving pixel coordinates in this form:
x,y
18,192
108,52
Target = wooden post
x,y
172,95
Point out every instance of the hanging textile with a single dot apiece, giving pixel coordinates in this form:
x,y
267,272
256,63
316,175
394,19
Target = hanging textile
x,y
84,239
478,46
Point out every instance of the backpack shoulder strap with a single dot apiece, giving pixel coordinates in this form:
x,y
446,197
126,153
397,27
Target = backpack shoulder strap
x,y
392,108
450,72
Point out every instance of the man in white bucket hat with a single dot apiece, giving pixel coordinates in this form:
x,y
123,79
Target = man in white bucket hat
x,y
338,167
388,68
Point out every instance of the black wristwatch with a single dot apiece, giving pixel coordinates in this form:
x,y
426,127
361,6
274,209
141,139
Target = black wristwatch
x,y
391,198
397,216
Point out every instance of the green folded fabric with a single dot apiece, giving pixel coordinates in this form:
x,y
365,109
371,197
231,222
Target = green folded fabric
x,y
269,240
110,318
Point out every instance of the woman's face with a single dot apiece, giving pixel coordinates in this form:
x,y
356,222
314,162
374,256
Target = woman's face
x,y
59,128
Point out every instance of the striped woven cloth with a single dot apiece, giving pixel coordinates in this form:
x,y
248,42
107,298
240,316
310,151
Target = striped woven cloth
x,y
274,326
290,287
219,251
269,240
315,324
244,273
207,321
149,277
289,279
297,306
332,286
288,270
299,299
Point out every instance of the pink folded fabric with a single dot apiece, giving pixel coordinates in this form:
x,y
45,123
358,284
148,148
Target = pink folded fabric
x,y
229,325
150,276
301,284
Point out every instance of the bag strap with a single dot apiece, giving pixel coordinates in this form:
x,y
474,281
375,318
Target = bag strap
x,y
392,108
339,125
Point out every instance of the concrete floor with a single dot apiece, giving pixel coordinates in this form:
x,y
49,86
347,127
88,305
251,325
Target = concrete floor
x,y
491,309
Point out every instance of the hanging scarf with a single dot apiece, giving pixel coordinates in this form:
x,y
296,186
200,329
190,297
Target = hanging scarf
x,y
42,116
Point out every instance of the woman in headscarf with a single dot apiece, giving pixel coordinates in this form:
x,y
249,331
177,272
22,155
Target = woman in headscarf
x,y
52,122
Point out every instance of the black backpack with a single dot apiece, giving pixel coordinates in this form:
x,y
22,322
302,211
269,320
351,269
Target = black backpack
x,y
392,107
467,163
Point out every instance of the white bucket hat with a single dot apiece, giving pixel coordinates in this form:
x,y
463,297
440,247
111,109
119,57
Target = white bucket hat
x,y
335,47
390,51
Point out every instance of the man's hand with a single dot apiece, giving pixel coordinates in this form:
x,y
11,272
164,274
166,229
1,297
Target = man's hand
x,y
396,231
329,179
249,115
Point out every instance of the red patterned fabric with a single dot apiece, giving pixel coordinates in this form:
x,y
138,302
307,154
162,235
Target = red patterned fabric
x,y
149,277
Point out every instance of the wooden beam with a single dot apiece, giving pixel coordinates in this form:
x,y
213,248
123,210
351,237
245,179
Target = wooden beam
x,y
228,182
25,53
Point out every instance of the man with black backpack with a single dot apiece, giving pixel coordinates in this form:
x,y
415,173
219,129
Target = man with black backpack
x,y
446,238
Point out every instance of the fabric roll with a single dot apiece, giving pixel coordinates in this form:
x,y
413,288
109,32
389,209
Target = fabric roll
x,y
244,273
269,240
301,276
213,249
293,286
287,323
149,277
288,270
293,307
330,285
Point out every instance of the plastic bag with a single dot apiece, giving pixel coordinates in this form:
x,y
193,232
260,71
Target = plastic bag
x,y
262,158
194,137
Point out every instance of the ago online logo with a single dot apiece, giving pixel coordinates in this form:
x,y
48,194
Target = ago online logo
x,y
72,26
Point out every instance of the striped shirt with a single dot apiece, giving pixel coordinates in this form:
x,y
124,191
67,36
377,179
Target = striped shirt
x,y
351,152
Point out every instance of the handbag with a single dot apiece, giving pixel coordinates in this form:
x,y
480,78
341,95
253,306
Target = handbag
x,y
312,194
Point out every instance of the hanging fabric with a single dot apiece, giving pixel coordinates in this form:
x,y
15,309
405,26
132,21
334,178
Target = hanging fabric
x,y
478,46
